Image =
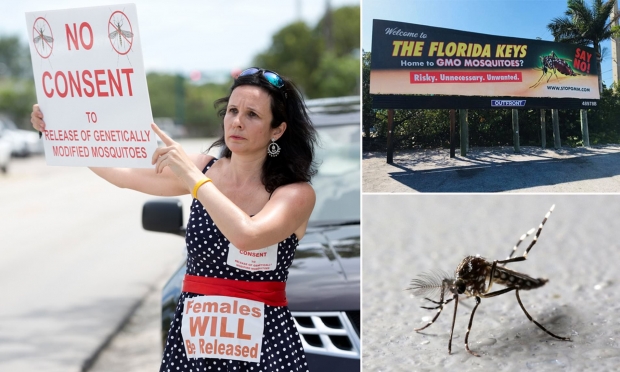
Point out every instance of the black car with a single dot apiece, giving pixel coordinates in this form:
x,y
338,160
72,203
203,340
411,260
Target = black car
x,y
323,287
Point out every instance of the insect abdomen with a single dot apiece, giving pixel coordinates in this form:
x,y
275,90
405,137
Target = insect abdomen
x,y
511,278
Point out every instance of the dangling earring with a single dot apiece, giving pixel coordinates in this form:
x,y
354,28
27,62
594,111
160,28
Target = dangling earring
x,y
273,149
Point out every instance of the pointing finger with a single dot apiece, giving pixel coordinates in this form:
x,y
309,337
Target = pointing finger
x,y
164,137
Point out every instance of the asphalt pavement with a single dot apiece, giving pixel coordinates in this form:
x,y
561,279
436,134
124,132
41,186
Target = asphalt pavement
x,y
594,169
74,262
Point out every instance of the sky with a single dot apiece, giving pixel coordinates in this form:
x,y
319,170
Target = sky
x,y
212,36
515,18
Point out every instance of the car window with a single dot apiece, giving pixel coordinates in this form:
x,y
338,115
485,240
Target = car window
x,y
337,183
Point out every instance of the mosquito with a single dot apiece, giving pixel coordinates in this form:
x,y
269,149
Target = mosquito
x,y
42,37
120,32
474,277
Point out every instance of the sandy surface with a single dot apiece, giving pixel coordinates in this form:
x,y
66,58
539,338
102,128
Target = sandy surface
x,y
578,251
497,169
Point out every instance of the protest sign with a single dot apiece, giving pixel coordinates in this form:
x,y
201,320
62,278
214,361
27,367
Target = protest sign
x,y
223,327
91,86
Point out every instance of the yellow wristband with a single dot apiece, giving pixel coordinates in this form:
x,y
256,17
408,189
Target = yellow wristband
x,y
197,186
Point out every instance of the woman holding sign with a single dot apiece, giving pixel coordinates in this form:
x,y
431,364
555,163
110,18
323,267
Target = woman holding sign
x,y
250,209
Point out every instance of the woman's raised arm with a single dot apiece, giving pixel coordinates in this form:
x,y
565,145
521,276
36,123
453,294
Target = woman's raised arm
x,y
148,181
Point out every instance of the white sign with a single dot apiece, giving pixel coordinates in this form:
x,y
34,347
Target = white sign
x,y
91,86
223,327
264,259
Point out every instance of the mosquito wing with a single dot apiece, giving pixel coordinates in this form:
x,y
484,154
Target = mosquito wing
x,y
127,34
49,39
37,39
430,284
113,34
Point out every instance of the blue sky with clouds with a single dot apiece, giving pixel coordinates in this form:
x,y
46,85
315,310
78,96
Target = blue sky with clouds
x,y
516,18
186,35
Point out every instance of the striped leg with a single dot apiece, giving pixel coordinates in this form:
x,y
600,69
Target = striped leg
x,y
534,240
471,319
538,324
439,306
514,248
456,304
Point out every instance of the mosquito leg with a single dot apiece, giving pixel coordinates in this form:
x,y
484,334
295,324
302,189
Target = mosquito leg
x,y
497,293
514,249
456,304
538,324
440,304
541,76
534,240
439,307
471,319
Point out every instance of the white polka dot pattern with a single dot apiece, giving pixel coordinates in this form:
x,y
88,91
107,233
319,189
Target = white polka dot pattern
x,y
207,250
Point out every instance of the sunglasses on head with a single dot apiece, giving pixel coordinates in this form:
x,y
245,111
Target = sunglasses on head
x,y
272,77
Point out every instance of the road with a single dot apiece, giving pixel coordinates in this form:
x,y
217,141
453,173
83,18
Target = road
x,y
74,260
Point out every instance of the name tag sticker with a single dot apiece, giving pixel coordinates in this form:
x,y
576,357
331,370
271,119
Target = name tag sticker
x,y
264,259
223,327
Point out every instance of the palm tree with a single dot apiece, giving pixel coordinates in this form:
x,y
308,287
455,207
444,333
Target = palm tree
x,y
587,26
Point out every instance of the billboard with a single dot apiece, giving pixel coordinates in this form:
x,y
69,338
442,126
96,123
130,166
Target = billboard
x,y
416,59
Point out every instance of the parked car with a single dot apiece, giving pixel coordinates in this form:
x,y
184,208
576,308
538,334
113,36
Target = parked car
x,y
23,142
168,126
323,287
5,153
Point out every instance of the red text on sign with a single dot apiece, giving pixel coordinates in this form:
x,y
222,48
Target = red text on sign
x,y
74,36
92,117
106,82
199,324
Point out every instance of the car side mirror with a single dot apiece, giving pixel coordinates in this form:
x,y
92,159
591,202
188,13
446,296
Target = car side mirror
x,y
163,216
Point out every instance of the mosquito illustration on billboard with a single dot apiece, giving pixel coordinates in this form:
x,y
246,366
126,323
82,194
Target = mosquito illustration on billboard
x,y
43,43
120,33
552,64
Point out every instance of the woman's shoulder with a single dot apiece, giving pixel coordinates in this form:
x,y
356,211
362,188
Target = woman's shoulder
x,y
201,160
302,191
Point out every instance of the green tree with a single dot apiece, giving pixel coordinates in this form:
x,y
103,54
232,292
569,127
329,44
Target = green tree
x,y
14,58
367,111
324,60
587,26
17,93
201,118
294,53
339,30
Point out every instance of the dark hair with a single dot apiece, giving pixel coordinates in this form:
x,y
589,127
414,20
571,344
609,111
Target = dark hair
x,y
295,162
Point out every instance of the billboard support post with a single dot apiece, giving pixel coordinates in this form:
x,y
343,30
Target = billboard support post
x,y
515,130
452,133
543,130
390,137
464,126
556,128
584,128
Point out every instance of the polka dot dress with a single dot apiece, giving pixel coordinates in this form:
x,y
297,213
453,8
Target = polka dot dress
x,y
207,251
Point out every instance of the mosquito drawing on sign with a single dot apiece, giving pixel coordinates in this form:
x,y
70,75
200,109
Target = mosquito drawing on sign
x,y
474,277
42,38
118,35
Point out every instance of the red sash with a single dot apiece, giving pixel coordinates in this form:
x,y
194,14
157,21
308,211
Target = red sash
x,y
270,293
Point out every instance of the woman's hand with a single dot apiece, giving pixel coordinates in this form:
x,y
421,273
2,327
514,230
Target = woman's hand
x,y
36,118
174,157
